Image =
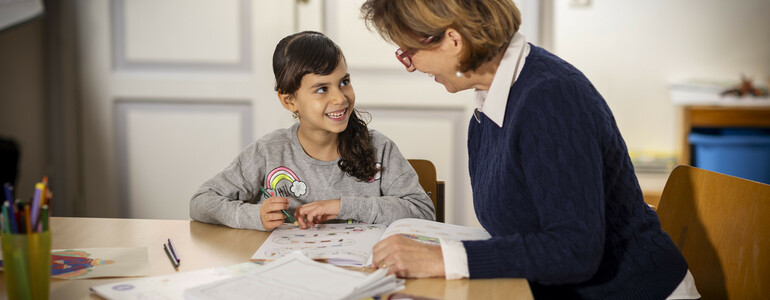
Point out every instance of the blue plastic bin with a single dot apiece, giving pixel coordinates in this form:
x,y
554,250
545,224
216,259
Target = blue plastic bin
x,y
736,152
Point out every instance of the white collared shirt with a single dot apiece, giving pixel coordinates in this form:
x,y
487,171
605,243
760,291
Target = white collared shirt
x,y
492,103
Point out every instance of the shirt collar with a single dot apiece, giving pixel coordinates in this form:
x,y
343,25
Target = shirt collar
x,y
493,102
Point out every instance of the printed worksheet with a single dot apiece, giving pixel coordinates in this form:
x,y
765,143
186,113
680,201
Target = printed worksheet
x,y
339,244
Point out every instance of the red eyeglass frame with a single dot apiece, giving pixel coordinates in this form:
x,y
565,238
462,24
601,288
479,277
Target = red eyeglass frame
x,y
405,57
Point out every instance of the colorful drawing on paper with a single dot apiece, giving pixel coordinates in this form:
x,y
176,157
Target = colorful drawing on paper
x,y
69,264
85,263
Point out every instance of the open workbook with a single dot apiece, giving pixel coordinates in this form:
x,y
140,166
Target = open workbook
x,y
351,244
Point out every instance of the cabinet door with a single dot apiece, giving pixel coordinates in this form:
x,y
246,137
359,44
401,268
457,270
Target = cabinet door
x,y
171,91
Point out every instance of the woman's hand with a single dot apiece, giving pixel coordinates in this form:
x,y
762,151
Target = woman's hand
x,y
317,212
270,212
408,258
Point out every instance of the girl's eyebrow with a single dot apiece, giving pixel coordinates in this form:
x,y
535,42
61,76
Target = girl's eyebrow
x,y
320,84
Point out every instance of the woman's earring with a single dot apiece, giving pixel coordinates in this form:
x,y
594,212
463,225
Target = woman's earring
x,y
458,73
295,114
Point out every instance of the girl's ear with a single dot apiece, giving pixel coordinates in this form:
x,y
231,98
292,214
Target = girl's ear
x,y
287,100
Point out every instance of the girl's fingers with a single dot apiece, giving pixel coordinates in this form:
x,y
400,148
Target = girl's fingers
x,y
276,207
299,215
272,217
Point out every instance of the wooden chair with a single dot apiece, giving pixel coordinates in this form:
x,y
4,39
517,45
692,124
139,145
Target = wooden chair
x,y
721,224
426,172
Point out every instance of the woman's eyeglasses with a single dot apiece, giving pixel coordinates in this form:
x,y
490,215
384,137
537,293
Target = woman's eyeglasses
x,y
405,57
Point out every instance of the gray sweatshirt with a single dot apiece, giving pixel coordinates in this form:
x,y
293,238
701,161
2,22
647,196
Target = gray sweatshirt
x,y
279,164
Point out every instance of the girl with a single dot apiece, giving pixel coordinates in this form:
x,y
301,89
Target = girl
x,y
327,166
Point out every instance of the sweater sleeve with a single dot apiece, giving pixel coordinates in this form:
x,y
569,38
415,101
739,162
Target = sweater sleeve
x,y
557,136
226,198
401,193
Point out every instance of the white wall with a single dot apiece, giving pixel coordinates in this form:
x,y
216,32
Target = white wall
x,y
631,50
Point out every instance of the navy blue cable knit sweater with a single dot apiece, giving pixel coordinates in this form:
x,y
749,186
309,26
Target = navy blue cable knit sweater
x,y
556,190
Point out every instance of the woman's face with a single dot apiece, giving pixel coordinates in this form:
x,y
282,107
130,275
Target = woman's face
x,y
441,62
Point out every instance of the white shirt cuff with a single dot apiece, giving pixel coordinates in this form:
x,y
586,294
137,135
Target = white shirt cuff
x,y
455,259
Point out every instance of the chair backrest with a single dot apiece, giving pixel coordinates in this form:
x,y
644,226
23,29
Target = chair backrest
x,y
721,224
426,172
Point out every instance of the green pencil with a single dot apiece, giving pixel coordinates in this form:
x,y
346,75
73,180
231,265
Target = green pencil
x,y
285,213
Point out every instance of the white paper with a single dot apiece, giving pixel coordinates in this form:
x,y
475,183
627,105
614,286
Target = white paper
x,y
294,276
169,287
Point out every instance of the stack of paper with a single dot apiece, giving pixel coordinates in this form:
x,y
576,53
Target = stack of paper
x,y
168,287
295,276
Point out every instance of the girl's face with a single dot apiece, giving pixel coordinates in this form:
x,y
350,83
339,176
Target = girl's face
x,y
325,102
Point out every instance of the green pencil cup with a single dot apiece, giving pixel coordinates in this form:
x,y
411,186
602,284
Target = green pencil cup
x,y
27,264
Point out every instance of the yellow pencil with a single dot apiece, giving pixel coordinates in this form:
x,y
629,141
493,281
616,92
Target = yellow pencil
x,y
44,192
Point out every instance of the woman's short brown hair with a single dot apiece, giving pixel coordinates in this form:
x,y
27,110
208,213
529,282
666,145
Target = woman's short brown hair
x,y
485,25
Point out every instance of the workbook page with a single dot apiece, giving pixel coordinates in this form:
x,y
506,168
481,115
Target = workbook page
x,y
429,231
339,244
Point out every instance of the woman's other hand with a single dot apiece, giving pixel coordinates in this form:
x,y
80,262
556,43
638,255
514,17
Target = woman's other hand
x,y
317,212
408,258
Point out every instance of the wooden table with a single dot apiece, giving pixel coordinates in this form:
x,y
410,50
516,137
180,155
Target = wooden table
x,y
203,246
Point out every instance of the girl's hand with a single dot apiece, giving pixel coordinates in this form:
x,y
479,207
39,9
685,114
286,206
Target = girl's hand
x,y
317,212
408,258
270,212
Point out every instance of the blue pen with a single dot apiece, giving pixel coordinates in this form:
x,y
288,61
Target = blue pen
x,y
6,219
12,218
8,192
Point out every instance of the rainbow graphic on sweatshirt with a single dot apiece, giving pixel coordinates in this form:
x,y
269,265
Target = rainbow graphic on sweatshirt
x,y
298,188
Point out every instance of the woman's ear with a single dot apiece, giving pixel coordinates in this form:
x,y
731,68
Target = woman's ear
x,y
287,100
453,40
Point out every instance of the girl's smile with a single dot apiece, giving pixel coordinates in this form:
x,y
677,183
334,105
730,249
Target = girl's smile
x,y
338,116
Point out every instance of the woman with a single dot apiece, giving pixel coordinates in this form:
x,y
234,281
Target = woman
x,y
551,176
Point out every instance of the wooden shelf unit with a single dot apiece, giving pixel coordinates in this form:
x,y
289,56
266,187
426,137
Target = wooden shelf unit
x,y
720,116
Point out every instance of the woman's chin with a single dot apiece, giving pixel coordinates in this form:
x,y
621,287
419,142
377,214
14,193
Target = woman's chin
x,y
448,86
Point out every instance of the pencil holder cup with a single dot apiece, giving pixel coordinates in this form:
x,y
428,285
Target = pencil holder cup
x,y
27,264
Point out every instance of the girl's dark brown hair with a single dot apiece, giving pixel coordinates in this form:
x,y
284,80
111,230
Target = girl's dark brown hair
x,y
485,25
311,52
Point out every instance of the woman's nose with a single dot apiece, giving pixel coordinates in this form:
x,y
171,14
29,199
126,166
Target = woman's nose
x,y
411,68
